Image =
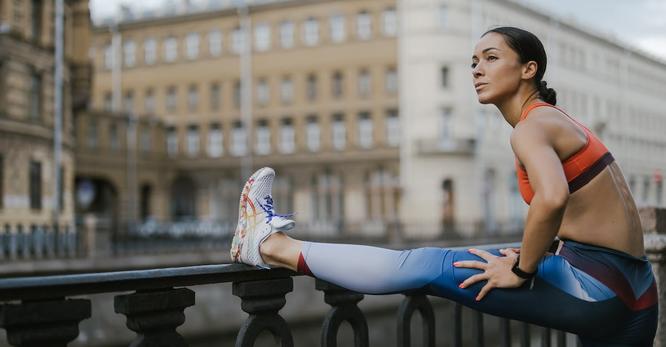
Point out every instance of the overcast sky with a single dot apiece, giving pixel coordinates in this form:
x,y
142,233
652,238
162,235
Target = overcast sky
x,y
639,23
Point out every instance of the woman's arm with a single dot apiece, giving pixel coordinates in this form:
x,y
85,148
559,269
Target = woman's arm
x,y
532,142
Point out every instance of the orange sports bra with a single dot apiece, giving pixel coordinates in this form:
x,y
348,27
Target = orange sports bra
x,y
579,168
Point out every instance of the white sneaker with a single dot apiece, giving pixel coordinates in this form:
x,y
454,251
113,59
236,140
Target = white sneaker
x,y
256,219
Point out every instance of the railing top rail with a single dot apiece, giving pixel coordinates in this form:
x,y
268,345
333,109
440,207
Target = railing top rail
x,y
57,286
46,287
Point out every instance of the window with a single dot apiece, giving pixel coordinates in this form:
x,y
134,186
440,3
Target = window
x,y
287,136
263,138
192,98
262,37
339,130
237,40
444,76
263,92
392,128
311,32
365,130
312,134
287,34
336,84
149,51
311,88
108,102
391,80
215,96
108,57
35,188
193,140
286,90
36,17
445,138
192,45
92,132
238,139
364,83
237,93
149,101
171,99
442,14
146,139
170,49
114,141
128,102
389,22
172,142
129,53
338,32
35,96
215,141
363,26
215,43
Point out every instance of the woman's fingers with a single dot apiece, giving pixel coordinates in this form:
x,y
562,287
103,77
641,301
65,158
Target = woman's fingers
x,y
481,253
473,279
474,264
484,291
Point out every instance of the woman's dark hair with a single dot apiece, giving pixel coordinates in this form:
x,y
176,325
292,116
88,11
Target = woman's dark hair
x,y
529,48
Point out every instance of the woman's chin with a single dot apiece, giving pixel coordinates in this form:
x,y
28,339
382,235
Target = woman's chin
x,y
483,99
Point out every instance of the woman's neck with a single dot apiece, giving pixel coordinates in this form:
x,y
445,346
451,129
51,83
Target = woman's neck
x,y
513,107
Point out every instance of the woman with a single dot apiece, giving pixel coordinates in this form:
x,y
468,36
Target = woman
x,y
593,280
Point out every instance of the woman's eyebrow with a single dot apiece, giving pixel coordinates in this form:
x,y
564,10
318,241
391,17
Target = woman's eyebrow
x,y
486,50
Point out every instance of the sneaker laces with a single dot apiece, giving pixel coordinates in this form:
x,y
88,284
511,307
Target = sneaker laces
x,y
270,210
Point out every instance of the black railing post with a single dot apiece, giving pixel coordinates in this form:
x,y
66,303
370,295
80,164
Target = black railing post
x,y
410,304
52,323
505,332
262,300
457,325
525,335
155,315
344,308
478,328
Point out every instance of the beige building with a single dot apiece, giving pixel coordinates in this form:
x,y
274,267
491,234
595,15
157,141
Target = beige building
x,y
457,167
324,112
27,173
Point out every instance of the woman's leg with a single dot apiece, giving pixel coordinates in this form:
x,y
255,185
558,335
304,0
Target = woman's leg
x,y
359,268
561,297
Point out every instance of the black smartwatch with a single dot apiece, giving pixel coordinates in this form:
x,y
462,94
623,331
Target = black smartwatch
x,y
520,273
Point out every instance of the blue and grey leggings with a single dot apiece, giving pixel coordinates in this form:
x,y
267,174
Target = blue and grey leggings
x,y
606,297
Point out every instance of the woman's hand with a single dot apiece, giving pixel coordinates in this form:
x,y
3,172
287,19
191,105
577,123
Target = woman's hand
x,y
497,270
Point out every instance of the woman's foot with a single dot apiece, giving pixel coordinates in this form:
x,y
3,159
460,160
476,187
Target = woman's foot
x,y
257,219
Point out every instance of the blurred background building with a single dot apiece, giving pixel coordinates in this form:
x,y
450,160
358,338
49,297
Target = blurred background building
x,y
27,64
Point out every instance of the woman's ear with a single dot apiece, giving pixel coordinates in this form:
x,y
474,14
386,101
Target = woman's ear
x,y
529,70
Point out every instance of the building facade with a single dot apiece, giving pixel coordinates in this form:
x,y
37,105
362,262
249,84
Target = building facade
x,y
27,62
325,115
456,164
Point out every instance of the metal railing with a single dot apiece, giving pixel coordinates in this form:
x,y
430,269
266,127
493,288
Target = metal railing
x,y
22,242
40,311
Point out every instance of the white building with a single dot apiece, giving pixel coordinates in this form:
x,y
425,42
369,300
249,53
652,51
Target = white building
x,y
456,163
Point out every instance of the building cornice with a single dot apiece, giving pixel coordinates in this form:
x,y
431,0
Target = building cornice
x,y
202,15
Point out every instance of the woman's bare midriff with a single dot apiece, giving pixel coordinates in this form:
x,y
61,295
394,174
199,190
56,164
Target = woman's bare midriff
x,y
603,213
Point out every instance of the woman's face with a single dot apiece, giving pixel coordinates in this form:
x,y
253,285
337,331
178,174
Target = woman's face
x,y
496,69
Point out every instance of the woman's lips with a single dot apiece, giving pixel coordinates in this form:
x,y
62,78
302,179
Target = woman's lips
x,y
479,86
